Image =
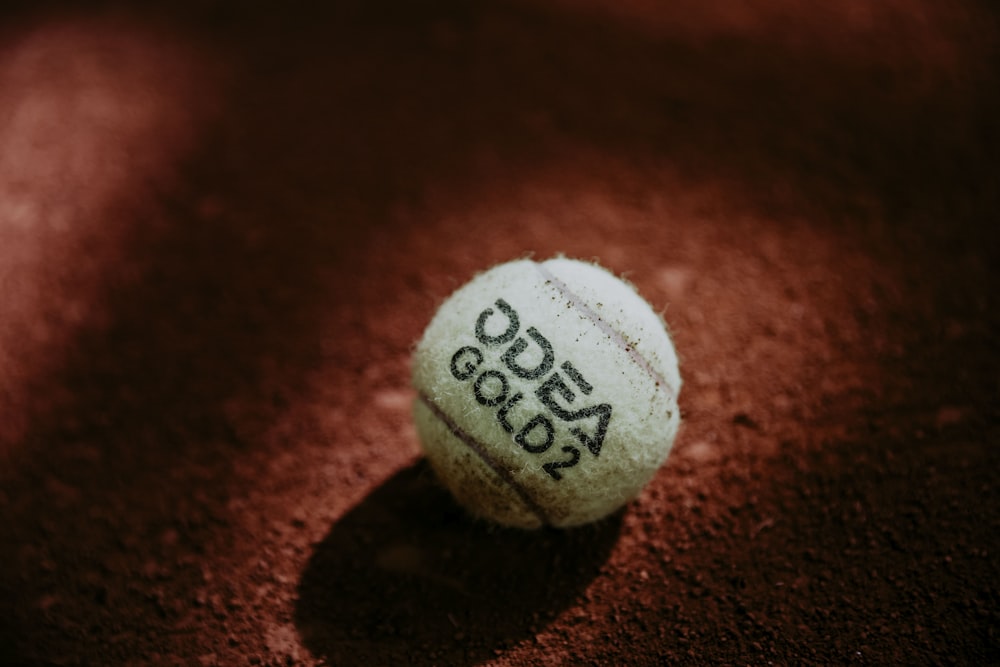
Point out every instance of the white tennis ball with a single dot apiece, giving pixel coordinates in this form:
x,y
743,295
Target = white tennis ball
x,y
546,393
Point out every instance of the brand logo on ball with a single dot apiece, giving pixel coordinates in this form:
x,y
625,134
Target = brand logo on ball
x,y
492,389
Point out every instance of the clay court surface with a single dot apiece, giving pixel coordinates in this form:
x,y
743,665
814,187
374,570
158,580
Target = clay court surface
x,y
222,229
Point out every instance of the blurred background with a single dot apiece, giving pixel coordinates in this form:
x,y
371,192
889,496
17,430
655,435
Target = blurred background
x,y
223,226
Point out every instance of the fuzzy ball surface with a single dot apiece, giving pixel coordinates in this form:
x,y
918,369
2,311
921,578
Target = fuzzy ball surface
x,y
546,393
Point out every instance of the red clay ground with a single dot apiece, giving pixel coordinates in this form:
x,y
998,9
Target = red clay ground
x,y
221,230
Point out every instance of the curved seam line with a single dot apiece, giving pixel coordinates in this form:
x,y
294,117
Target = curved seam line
x,y
608,330
481,451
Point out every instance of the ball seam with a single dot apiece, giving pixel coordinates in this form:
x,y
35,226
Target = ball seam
x,y
482,452
612,333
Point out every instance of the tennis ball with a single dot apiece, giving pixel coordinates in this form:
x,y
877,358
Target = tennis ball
x,y
546,393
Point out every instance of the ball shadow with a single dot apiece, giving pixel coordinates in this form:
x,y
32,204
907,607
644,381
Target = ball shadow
x,y
408,577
